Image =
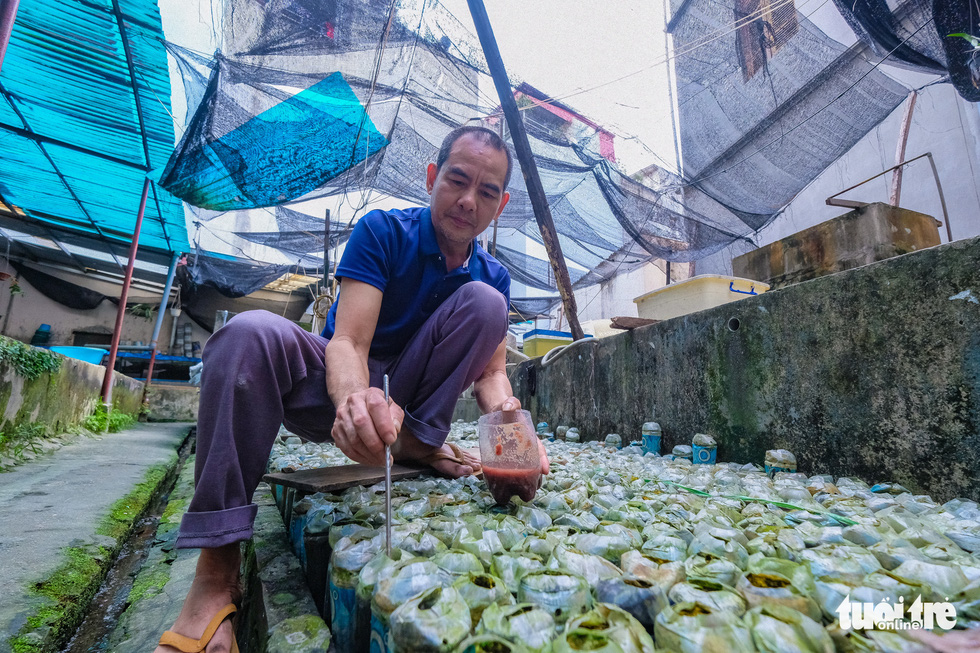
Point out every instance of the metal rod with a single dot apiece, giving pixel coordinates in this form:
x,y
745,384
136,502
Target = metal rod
x,y
326,252
160,313
942,198
121,312
522,147
8,14
387,486
833,201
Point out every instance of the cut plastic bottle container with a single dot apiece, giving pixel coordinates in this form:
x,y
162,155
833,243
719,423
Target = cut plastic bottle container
x,y
651,433
509,455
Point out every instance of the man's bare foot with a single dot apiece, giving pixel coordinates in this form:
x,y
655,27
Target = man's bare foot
x,y
408,448
215,585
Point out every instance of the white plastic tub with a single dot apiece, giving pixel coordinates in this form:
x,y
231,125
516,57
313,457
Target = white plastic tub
x,y
695,294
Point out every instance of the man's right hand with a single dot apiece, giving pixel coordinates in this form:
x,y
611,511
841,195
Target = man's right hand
x,y
364,424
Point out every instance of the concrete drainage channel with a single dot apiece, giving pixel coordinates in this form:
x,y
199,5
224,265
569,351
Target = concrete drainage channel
x,y
277,615
111,599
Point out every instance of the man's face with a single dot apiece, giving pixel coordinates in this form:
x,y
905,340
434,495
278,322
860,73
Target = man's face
x,y
467,191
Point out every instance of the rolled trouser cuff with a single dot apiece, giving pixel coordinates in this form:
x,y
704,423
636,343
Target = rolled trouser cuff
x,y
208,530
425,433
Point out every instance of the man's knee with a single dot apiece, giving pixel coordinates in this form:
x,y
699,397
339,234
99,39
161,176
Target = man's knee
x,y
484,298
244,331
481,311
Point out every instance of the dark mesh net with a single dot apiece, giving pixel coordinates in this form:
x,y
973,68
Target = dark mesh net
x,y
322,98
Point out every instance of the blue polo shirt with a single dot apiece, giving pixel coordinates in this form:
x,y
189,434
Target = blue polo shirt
x,y
396,252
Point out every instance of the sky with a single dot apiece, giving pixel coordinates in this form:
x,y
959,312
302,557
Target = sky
x,y
605,60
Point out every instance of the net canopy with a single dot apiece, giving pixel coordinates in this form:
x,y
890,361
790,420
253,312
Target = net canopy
x,y
391,80
348,101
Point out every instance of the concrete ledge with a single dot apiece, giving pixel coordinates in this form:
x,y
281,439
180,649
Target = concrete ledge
x,y
873,372
280,615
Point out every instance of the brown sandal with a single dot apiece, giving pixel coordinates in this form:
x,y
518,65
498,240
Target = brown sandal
x,y
456,456
187,645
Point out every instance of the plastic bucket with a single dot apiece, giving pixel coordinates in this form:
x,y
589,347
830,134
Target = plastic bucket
x,y
87,354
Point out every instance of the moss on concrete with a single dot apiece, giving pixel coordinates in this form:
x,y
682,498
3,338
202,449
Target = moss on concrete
x,y
124,512
65,594
149,584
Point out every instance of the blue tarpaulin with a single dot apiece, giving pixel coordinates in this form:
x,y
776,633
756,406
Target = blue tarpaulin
x,y
278,155
84,116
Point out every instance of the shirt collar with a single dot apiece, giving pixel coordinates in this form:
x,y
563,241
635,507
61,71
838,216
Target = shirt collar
x,y
430,246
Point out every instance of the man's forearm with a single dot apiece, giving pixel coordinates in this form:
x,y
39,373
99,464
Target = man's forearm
x,y
346,370
492,390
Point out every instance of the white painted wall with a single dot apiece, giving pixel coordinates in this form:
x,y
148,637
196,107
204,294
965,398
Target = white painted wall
x,y
942,123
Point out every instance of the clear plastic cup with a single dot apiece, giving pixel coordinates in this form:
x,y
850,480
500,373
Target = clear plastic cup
x,y
509,455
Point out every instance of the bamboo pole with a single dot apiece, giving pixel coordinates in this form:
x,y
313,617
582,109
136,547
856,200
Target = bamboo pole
x,y
529,169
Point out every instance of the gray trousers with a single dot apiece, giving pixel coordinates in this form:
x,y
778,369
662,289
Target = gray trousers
x,y
261,370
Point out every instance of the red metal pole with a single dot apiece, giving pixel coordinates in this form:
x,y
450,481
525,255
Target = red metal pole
x,y
114,347
8,13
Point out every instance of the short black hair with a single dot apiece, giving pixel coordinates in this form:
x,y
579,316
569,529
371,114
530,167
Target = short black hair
x,y
488,136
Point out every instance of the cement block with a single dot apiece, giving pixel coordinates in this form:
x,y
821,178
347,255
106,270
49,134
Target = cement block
x,y
172,403
872,233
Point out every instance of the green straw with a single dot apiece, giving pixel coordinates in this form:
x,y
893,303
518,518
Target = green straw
x,y
779,504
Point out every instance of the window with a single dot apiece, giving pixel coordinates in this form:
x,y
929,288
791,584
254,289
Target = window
x,y
764,27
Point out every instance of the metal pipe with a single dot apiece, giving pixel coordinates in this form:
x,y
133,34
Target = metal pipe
x,y
163,309
121,312
851,204
8,14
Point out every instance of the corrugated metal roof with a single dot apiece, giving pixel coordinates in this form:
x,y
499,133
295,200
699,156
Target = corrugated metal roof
x,y
84,115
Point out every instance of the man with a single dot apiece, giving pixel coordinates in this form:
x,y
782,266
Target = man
x,y
420,301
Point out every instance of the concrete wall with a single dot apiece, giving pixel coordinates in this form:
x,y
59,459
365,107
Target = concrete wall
x,y
172,403
25,313
873,372
61,400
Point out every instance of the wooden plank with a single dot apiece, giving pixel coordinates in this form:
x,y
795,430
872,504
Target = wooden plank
x,y
630,323
333,479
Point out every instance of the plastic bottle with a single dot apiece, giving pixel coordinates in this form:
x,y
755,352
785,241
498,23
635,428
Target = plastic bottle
x,y
779,460
683,451
651,437
705,449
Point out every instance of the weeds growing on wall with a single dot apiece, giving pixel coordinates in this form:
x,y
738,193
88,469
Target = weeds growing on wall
x,y
102,420
16,440
28,362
